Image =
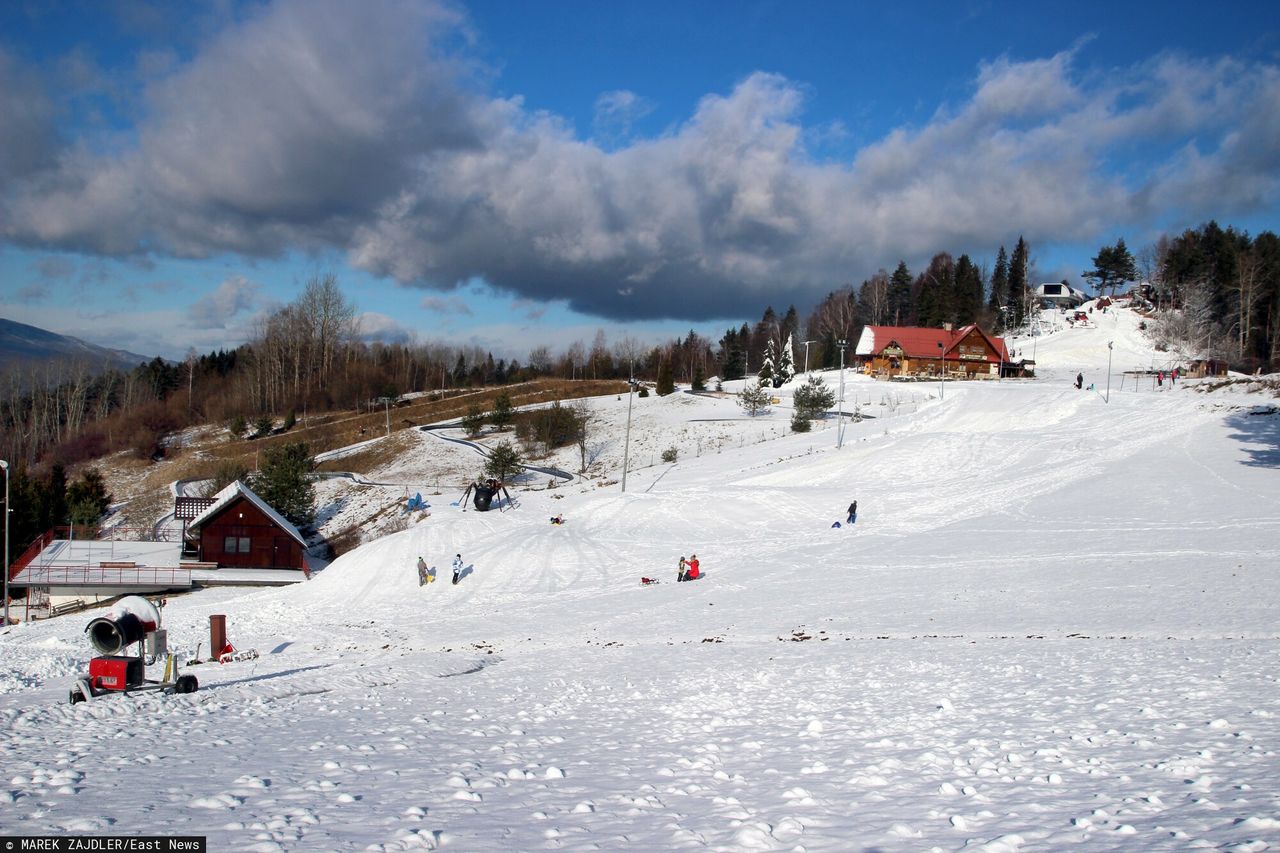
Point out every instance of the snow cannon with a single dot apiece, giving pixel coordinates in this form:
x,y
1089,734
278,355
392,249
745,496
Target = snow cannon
x,y
128,622
133,619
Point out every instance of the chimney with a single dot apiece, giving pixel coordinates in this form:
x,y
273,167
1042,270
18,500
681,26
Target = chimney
x,y
946,327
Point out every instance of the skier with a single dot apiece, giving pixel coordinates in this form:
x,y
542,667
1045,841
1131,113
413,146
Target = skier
x,y
681,570
457,567
692,574
1160,379
853,513
423,576
1173,377
1079,381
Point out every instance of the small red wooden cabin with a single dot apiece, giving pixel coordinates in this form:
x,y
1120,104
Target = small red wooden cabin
x,y
239,530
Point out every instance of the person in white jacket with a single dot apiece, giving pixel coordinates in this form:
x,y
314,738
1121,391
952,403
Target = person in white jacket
x,y
457,567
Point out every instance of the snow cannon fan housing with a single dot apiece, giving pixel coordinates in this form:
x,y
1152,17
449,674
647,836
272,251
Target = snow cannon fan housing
x,y
128,622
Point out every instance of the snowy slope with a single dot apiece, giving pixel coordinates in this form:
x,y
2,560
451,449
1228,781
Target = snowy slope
x,y
1053,625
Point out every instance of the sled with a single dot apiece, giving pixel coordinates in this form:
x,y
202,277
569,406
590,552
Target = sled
x,y
835,524
649,581
231,655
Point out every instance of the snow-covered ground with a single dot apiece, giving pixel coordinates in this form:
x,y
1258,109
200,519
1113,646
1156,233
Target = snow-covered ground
x,y
1053,625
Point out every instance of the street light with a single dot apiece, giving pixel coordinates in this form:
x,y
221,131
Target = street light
x,y
1107,399
942,373
806,355
387,402
842,343
5,466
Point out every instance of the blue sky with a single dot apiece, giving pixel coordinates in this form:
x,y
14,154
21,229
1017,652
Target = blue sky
x,y
505,174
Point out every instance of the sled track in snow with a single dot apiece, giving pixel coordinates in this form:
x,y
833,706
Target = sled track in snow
x,y
431,429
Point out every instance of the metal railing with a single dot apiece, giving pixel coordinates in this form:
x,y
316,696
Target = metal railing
x,y
82,575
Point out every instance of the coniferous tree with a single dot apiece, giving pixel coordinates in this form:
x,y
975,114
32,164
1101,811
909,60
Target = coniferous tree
x,y
503,461
473,421
665,384
813,398
968,293
754,398
790,324
1000,287
768,371
699,382
285,481
1112,267
935,291
87,498
786,368
900,313
56,496
1018,283
503,412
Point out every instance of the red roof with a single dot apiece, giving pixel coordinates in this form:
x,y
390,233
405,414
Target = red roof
x,y
921,342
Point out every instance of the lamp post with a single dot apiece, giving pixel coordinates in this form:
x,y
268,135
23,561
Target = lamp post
x,y
1107,398
806,355
386,401
5,466
626,443
842,343
942,374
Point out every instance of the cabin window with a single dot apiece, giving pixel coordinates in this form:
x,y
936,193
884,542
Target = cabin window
x,y
229,545
244,544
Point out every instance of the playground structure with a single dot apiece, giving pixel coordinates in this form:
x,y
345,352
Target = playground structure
x,y
482,492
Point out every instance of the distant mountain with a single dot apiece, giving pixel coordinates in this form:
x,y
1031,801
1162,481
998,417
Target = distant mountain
x,y
20,343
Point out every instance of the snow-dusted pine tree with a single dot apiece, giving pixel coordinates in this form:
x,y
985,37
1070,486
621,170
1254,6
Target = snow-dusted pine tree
x,y
786,365
754,398
767,368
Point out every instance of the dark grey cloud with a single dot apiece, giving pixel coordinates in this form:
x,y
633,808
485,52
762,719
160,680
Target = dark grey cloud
x,y
28,141
33,294
330,124
55,267
446,305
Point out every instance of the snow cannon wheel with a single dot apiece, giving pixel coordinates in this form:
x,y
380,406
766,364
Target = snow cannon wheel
x,y
81,692
186,684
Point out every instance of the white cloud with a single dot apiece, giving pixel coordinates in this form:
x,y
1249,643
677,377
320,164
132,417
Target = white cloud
x,y
233,297
374,326
326,125
616,113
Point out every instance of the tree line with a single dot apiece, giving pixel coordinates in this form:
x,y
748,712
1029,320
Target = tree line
x,y
1222,286
1220,291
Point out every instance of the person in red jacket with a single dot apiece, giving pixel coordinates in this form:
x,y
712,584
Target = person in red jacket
x,y
692,574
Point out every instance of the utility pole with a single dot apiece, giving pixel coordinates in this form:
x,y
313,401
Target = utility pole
x,y
942,375
626,443
5,465
1107,398
842,343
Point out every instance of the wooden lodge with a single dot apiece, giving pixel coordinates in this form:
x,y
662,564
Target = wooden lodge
x,y
910,352
239,530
